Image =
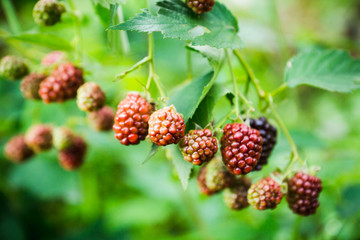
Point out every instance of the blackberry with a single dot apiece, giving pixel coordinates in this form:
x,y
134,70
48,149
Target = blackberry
x,y
213,177
54,58
303,193
235,197
200,6
198,146
63,138
13,68
90,97
62,84
48,12
131,119
17,150
241,148
30,85
103,119
166,126
268,133
73,156
265,194
39,138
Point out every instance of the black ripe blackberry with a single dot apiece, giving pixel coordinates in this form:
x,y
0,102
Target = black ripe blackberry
x,y
268,133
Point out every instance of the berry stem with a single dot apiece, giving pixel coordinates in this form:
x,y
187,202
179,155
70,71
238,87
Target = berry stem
x,y
296,156
189,64
236,91
250,73
279,89
224,119
77,28
137,65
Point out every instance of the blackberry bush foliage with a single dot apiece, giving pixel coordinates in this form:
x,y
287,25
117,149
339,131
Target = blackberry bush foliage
x,y
189,121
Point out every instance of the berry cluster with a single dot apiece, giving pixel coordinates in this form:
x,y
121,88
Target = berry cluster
x,y
48,12
40,138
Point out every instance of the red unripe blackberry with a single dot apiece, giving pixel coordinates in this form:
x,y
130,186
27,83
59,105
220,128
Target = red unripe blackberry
x,y
131,119
166,126
72,157
265,194
199,146
39,138
102,120
54,58
268,133
241,148
200,6
303,193
213,177
235,197
16,150
62,84
30,85
90,97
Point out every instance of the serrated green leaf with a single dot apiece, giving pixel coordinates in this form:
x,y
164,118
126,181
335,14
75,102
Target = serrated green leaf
x,y
332,70
214,56
217,28
154,149
189,97
204,113
182,167
51,41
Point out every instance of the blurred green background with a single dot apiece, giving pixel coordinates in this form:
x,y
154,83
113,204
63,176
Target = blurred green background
x,y
112,197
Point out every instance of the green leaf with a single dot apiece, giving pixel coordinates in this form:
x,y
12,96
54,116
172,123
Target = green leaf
x,y
332,70
189,97
107,3
217,28
51,41
153,151
214,56
204,113
103,13
182,167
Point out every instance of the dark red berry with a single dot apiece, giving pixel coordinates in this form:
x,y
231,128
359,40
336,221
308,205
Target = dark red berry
x,y
241,148
235,197
62,84
73,156
102,120
39,138
200,6
213,177
17,150
303,193
265,194
268,133
131,119
166,126
199,146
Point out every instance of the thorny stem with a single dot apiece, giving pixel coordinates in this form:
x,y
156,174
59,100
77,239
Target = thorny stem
x,y
250,73
236,91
